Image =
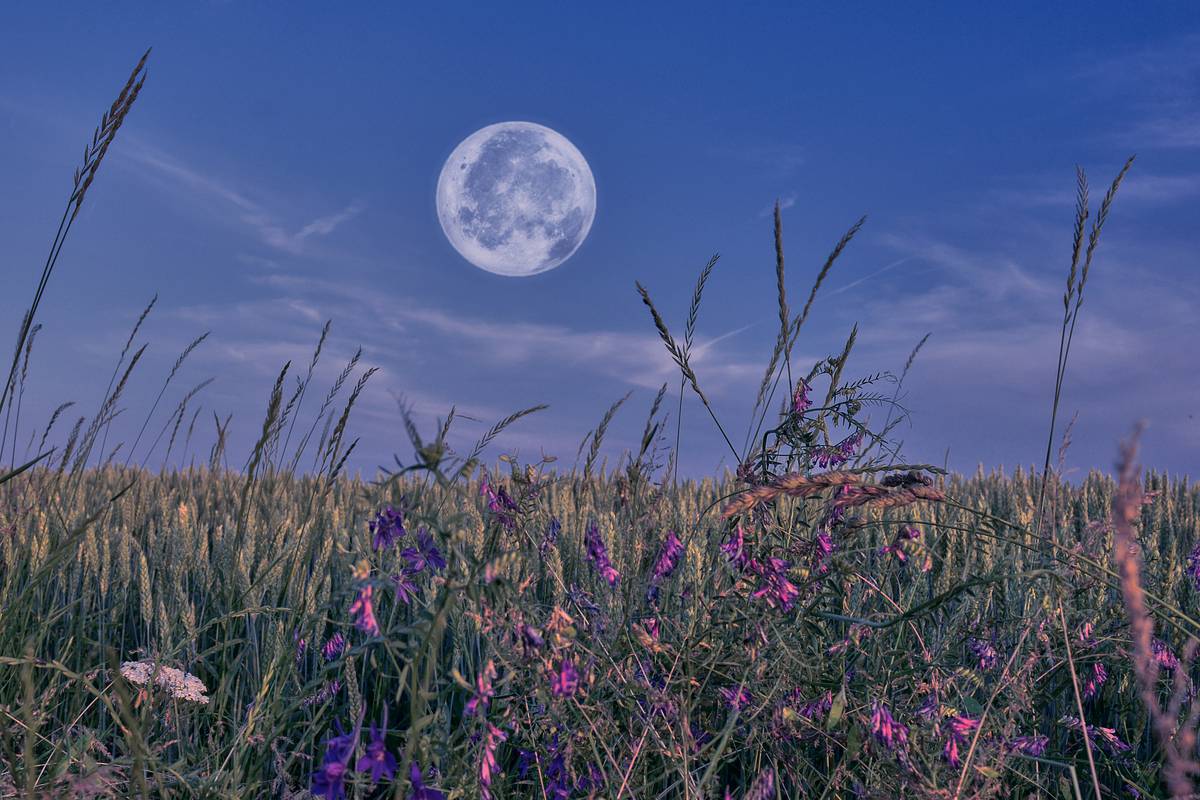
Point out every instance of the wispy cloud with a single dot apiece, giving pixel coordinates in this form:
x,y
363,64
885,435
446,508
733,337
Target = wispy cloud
x,y
233,203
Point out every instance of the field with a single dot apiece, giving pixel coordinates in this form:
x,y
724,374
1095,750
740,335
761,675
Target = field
x,y
828,621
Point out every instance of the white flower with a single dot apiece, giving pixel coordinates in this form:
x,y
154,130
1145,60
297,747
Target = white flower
x,y
181,685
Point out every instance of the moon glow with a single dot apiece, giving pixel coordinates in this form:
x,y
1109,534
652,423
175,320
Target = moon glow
x,y
516,198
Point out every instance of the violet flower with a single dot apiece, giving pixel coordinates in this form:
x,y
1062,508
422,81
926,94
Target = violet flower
x,y
488,766
984,652
329,780
734,548
800,401
386,528
406,589
483,690
1193,566
1091,687
550,538
377,760
598,554
1034,745
668,557
334,647
1163,655
417,790
565,680
763,787
774,586
736,697
886,730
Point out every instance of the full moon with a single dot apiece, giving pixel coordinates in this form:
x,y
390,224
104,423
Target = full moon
x,y
516,198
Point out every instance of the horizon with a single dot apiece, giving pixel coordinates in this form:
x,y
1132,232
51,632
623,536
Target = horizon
x,y
258,213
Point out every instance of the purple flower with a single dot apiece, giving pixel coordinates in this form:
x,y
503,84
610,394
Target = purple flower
x,y
406,589
483,689
1105,736
763,787
488,766
531,638
896,548
800,401
1034,745
668,557
598,554
984,652
377,760
736,697
551,536
425,554
327,691
386,528
334,647
363,610
1163,656
1091,687
301,649
885,728
328,781
928,710
734,548
960,729
774,586
564,681
499,503
417,789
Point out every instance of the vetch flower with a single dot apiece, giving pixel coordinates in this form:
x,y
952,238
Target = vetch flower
x,y
800,401
564,680
736,697
668,557
984,653
1163,655
550,538
763,787
483,689
1091,687
488,766
1034,745
334,647
1193,567
961,728
363,610
1105,736
885,728
598,554
734,548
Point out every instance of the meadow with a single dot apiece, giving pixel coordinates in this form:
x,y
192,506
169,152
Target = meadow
x,y
826,621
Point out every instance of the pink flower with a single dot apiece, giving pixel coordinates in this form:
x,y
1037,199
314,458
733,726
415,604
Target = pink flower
x,y
363,610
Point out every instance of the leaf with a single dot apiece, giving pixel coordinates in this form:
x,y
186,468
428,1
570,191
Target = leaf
x,y
836,710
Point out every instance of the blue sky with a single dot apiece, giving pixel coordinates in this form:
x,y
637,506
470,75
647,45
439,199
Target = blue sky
x,y
280,166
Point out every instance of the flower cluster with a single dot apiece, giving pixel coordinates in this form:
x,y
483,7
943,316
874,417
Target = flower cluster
x,y
906,533
886,730
598,554
178,684
1107,737
984,652
499,503
959,729
837,454
1193,566
387,527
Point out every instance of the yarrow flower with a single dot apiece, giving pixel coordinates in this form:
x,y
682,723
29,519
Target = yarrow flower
x,y
180,685
386,528
886,730
363,610
598,554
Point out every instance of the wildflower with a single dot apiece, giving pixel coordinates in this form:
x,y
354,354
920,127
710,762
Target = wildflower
x,y
425,554
328,781
334,647
734,548
531,638
960,729
406,590
377,760
417,789
598,554
736,698
984,652
327,691
551,536
301,648
564,681
1085,635
885,728
1163,656
1091,687
800,401
488,767
499,503
180,685
386,528
1105,736
363,609
928,710
774,586
1029,745
896,548
668,557
483,689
